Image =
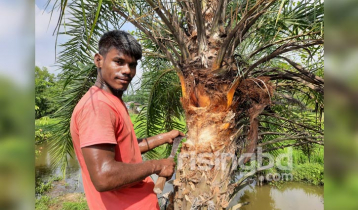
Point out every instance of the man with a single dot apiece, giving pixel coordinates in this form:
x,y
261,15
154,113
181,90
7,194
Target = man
x,y
114,175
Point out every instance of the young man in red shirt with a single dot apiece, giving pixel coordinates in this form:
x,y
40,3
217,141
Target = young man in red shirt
x,y
113,172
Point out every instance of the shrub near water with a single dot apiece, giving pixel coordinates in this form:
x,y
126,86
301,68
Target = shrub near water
x,y
41,136
310,172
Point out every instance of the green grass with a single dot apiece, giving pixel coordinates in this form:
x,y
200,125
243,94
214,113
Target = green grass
x,y
43,203
63,202
82,205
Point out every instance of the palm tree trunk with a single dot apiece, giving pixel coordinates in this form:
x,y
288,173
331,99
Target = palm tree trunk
x,y
205,164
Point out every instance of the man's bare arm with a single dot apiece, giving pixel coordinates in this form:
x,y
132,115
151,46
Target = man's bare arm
x,y
108,174
154,141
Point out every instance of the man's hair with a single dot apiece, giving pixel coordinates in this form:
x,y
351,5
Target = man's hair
x,y
122,41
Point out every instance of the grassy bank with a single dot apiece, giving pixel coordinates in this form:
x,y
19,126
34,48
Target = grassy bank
x,y
69,201
50,195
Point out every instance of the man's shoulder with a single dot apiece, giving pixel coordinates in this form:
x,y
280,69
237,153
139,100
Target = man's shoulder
x,y
94,99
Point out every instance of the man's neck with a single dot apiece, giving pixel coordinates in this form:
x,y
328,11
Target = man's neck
x,y
101,84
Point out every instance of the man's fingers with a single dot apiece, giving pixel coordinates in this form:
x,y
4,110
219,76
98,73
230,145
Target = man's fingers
x,y
168,167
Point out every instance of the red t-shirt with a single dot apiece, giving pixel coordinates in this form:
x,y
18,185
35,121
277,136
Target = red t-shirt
x,y
99,118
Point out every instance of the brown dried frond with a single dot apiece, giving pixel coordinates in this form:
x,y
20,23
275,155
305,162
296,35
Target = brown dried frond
x,y
256,94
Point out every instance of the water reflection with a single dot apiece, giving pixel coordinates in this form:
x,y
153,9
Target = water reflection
x,y
292,195
44,171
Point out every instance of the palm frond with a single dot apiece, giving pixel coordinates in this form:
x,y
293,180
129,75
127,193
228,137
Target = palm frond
x,y
61,142
163,111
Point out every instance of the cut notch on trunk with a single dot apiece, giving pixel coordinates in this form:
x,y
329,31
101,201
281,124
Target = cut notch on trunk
x,y
231,92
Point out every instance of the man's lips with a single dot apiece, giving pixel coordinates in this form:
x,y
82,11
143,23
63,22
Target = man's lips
x,y
123,80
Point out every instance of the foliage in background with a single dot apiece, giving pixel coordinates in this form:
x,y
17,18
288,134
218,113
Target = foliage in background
x,y
46,89
309,172
41,136
136,97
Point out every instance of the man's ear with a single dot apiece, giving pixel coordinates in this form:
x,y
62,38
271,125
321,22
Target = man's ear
x,y
98,60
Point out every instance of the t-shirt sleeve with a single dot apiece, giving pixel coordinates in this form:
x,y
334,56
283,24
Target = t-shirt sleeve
x,y
96,124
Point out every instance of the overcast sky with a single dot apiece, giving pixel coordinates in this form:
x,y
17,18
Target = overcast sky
x,y
16,41
45,41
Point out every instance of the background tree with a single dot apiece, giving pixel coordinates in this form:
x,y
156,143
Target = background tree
x,y
44,81
245,70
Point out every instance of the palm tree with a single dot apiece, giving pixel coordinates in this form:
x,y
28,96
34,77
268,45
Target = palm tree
x,y
244,73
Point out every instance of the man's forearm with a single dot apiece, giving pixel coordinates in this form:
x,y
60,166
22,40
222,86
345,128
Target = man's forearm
x,y
120,175
149,143
108,174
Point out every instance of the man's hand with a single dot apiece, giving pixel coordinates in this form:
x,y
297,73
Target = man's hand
x,y
171,135
165,167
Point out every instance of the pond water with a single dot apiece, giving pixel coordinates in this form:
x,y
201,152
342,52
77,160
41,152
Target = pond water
x,y
290,196
44,171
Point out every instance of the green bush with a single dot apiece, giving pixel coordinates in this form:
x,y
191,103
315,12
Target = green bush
x,y
310,172
299,157
41,136
43,187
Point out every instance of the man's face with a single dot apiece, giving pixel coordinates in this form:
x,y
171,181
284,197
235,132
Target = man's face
x,y
117,69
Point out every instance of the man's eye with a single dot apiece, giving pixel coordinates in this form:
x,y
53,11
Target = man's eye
x,y
119,62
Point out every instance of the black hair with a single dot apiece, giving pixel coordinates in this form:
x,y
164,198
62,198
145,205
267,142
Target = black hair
x,y
122,41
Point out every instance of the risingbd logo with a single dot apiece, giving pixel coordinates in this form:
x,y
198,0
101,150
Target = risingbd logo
x,y
259,161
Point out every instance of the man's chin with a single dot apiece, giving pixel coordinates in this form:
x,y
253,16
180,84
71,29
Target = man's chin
x,y
119,88
122,89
